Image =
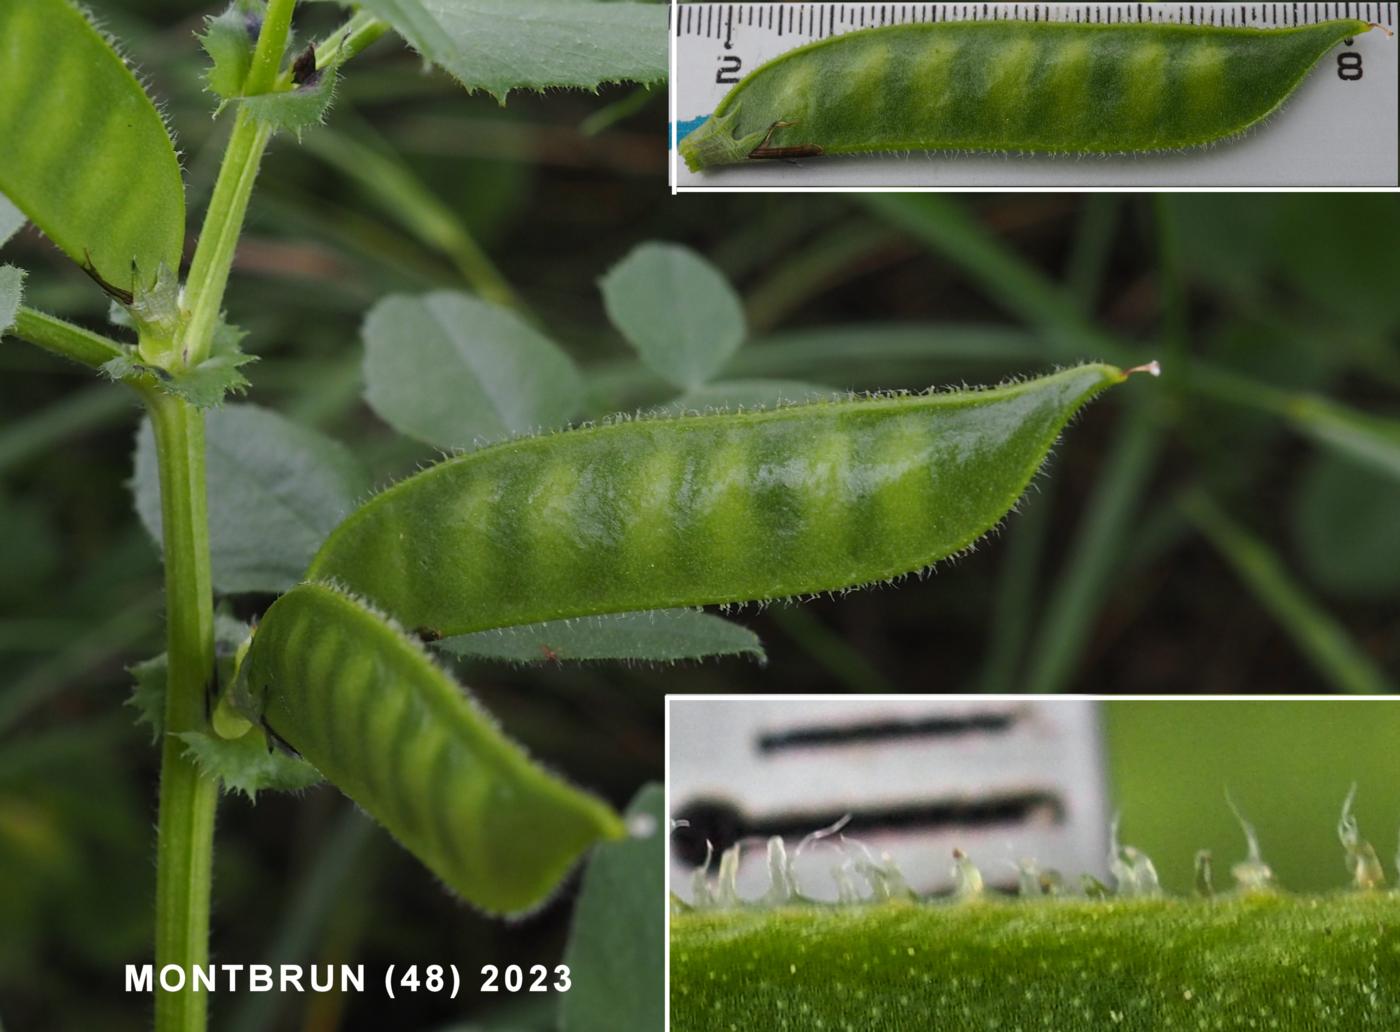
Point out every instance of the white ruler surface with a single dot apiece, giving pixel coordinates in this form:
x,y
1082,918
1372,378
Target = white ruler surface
x,y
1339,129
1000,779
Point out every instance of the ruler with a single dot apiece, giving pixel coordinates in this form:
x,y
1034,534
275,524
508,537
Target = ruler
x,y
999,778
1339,129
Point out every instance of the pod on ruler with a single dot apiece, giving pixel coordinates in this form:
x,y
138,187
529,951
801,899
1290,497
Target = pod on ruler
x,y
1048,87
367,707
666,512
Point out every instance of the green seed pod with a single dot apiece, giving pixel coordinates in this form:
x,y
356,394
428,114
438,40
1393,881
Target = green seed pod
x,y
83,151
659,513
1267,961
1048,87
363,702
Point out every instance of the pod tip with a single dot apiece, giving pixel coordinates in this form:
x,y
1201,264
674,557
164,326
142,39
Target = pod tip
x,y
1153,368
1375,25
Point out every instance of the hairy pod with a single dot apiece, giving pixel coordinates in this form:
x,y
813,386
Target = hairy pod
x,y
365,705
1267,961
83,152
1048,87
660,513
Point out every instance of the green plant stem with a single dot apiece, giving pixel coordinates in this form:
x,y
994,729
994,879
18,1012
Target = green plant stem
x,y
64,339
1332,652
350,39
272,44
185,835
218,239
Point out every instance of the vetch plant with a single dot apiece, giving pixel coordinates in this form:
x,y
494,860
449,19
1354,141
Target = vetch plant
x,y
1049,955
1043,87
483,553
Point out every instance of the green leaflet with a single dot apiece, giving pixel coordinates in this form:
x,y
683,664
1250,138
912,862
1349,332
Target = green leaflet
x,y
275,490
1268,961
617,941
11,220
677,310
659,636
661,513
454,371
502,45
11,293
1012,86
363,703
83,152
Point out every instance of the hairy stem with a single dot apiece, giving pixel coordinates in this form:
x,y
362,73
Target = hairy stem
x,y
185,836
218,239
213,256
350,39
272,44
64,339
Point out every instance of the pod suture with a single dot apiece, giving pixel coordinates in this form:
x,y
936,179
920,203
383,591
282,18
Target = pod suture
x,y
1023,86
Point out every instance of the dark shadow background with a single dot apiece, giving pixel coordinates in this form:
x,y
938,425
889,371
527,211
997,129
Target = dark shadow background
x,y
1295,292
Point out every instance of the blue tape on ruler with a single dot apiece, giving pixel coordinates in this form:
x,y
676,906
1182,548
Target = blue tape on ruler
x,y
688,126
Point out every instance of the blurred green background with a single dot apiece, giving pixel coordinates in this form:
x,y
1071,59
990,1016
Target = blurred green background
x,y
1279,573
1286,764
